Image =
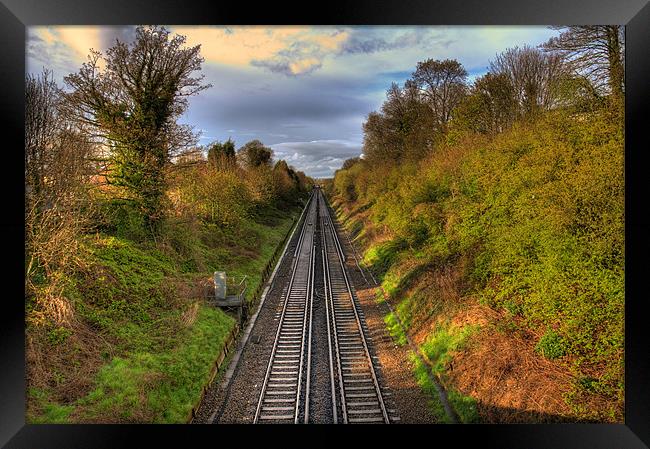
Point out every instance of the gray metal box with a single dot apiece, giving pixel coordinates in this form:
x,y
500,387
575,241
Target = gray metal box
x,y
220,284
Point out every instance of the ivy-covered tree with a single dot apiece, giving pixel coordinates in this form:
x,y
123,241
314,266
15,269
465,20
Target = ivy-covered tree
x,y
132,98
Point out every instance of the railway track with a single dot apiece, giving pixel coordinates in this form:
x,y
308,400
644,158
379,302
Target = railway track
x,y
284,391
361,399
352,385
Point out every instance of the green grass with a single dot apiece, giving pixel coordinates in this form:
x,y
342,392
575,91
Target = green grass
x,y
160,387
438,348
253,268
395,329
441,342
380,257
50,412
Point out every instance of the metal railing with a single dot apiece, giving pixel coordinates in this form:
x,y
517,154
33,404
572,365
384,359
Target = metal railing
x,y
236,285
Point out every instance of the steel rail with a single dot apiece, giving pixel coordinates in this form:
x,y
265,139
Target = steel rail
x,y
330,309
308,301
311,314
307,206
329,340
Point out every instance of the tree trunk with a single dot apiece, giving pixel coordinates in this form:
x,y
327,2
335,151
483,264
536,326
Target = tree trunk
x,y
616,71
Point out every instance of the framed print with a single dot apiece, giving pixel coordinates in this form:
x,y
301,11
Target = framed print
x,y
417,213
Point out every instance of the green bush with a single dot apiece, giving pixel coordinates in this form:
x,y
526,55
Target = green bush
x,y
550,345
58,335
122,219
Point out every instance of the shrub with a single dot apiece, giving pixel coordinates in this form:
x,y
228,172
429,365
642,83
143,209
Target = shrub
x,y
550,345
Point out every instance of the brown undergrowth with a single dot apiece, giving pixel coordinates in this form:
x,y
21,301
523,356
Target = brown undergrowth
x,y
48,362
497,365
509,380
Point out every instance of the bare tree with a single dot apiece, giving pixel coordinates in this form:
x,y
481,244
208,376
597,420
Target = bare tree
x,y
42,122
58,156
532,74
133,103
596,52
442,85
58,166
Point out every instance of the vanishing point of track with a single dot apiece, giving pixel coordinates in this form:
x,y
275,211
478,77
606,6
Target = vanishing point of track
x,y
354,389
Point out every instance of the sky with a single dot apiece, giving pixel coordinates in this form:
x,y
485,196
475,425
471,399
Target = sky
x,y
305,91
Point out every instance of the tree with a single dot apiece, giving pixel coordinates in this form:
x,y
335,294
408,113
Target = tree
x,y
595,51
42,122
286,180
132,105
378,145
402,130
533,76
221,153
57,169
57,155
490,107
350,162
255,154
442,85
304,182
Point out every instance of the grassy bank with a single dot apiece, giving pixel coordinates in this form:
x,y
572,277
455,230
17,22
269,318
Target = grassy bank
x,y
139,342
518,236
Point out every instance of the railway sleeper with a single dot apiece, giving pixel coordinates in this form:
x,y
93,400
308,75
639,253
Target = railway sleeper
x,y
366,420
282,385
276,417
373,411
363,404
277,409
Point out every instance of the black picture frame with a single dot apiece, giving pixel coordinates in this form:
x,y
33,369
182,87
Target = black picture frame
x,y
16,15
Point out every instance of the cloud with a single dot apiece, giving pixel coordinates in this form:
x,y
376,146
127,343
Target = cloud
x,y
287,50
356,45
302,57
302,108
237,46
44,50
108,35
64,48
289,67
80,39
385,39
317,158
303,90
